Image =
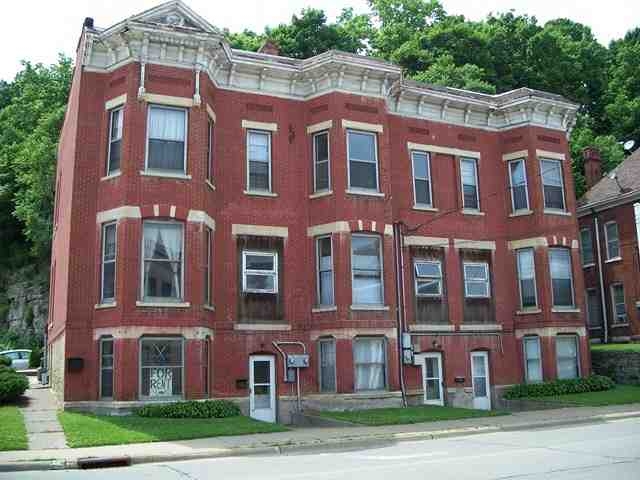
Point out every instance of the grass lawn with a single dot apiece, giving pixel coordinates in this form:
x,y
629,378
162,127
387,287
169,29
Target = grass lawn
x,y
13,434
84,430
620,395
398,416
616,347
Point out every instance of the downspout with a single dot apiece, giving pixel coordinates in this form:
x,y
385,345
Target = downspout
x,y
399,273
603,296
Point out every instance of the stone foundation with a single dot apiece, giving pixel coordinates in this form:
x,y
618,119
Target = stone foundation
x,y
623,367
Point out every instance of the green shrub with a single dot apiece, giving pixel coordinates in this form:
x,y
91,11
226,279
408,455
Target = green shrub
x,y
594,383
5,361
191,409
34,357
12,384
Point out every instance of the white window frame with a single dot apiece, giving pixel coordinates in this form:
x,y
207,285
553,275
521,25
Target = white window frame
x,y
607,241
578,366
377,162
273,273
168,300
485,266
526,185
526,358
583,250
140,368
104,300
562,186
315,162
477,185
573,293
385,365
380,248
111,140
535,285
428,179
102,367
186,138
333,291
208,296
616,319
418,277
252,131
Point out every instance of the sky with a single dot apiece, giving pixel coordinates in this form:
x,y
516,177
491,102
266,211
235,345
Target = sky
x,y
38,30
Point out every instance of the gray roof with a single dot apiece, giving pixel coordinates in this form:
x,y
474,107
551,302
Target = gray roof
x,y
628,176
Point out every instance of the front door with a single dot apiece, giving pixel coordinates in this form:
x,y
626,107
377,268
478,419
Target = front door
x,y
432,379
480,380
262,396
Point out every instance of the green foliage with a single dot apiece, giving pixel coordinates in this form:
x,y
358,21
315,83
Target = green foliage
x,y
446,73
191,409
5,361
12,384
13,433
34,357
594,383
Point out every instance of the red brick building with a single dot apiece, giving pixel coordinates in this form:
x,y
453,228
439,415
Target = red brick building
x,y
609,216
218,209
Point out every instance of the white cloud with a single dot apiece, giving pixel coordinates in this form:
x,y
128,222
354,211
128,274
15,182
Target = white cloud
x,y
38,30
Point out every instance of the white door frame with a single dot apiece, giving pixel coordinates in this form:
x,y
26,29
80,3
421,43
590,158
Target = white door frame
x,y
481,403
264,414
421,360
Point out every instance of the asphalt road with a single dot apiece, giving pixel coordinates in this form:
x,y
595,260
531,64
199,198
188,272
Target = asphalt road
x,y
608,451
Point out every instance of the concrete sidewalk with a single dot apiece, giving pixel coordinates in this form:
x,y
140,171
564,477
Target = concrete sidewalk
x,y
311,438
40,417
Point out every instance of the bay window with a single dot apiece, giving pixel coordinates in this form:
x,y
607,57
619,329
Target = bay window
x,y
552,184
469,180
366,270
369,360
166,139
518,184
561,277
258,161
421,179
321,170
163,259
363,160
161,368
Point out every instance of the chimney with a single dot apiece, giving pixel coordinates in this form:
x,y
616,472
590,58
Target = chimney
x,y
270,48
592,166
88,22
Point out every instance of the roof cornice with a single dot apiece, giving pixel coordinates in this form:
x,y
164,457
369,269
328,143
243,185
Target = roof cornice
x,y
607,203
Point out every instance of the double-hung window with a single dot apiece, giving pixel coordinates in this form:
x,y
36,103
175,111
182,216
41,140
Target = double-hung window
x,y
166,139
258,161
527,278
552,184
325,271
421,179
161,367
586,247
518,182
208,243
163,260
210,145
108,284
476,280
469,181
533,359
321,169
567,356
618,303
366,270
369,360
114,152
428,278
561,277
613,240
259,272
363,160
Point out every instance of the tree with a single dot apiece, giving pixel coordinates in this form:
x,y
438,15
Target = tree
x,y
446,73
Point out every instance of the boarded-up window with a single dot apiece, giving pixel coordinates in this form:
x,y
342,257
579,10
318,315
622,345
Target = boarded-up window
x,y
478,299
430,291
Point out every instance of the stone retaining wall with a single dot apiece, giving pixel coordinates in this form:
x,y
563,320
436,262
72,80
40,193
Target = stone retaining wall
x,y
623,367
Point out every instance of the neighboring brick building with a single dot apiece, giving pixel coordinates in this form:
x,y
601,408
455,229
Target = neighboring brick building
x,y
609,215
214,204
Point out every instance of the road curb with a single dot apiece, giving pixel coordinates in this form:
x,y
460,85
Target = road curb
x,y
340,443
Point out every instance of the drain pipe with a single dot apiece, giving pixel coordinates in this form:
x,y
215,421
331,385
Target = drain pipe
x,y
603,295
399,271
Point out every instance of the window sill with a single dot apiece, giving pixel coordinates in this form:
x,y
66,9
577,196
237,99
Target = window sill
x,y
530,311
594,328
163,304
431,327
481,327
588,265
262,326
210,185
521,213
467,211
102,306
324,193
365,193
161,174
210,308
613,260
616,325
328,308
111,175
256,193
381,308
565,310
561,213
425,208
